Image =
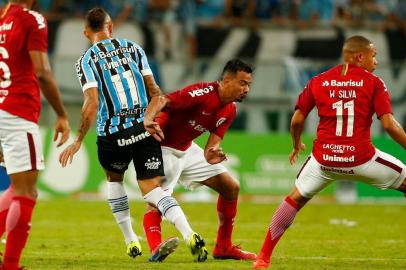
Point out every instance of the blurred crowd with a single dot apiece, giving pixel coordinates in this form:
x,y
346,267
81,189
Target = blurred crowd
x,y
250,13
193,14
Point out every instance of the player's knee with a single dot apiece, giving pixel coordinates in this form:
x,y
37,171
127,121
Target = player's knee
x,y
114,176
26,191
148,185
235,187
232,190
33,193
25,183
151,208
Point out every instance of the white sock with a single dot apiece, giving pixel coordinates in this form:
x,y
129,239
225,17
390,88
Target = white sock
x,y
170,208
118,201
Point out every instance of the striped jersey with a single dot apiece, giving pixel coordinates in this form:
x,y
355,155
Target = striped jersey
x,y
116,67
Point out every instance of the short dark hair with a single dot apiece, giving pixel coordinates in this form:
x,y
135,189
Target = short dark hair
x,y
235,65
356,43
95,19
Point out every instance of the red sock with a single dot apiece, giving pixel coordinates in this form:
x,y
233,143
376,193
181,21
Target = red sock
x,y
5,201
152,228
226,211
18,225
281,220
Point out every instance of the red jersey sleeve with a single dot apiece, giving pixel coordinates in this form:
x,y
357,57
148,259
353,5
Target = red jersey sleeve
x,y
37,30
382,102
225,121
306,102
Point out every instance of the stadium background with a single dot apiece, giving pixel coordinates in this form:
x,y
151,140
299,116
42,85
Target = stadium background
x,y
287,41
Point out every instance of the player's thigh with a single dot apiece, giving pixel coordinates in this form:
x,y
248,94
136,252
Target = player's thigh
x,y
21,145
112,158
311,179
147,158
196,169
173,167
383,171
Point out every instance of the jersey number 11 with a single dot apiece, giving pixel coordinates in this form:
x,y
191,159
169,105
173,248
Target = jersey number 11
x,y
118,84
340,106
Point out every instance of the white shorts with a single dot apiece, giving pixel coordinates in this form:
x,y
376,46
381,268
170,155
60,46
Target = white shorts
x,y
20,142
382,171
189,167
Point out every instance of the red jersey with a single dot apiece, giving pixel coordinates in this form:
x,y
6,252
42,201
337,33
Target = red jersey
x,y
21,31
194,110
346,98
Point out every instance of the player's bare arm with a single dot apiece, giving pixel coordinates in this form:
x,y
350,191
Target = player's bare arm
x,y
154,107
152,88
213,152
89,112
296,129
394,129
50,90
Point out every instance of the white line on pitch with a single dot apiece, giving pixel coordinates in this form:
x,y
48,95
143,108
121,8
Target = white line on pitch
x,y
348,259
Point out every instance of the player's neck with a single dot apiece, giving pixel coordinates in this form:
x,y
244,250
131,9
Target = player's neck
x,y
224,99
354,64
99,36
221,93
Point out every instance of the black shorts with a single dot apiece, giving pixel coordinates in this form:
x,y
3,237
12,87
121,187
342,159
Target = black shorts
x,y
116,151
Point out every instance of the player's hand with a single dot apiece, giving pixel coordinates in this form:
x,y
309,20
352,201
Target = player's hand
x,y
154,129
61,127
67,155
295,153
215,155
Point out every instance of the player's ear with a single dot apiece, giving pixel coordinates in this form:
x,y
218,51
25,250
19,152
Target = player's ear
x,y
86,33
226,77
359,57
110,27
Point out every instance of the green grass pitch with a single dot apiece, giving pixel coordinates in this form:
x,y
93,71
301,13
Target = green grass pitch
x,y
69,234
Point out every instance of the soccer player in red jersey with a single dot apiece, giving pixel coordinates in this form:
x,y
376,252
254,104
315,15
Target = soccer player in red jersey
x,y
346,97
25,68
186,114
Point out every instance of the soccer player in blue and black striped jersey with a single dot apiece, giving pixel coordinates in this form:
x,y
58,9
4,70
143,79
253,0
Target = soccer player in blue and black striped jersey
x,y
117,84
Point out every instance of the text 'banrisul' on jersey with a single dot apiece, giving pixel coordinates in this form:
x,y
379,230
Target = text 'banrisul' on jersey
x,y
116,67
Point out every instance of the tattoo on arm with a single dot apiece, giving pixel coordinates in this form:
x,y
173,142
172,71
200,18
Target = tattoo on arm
x,y
152,88
84,128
